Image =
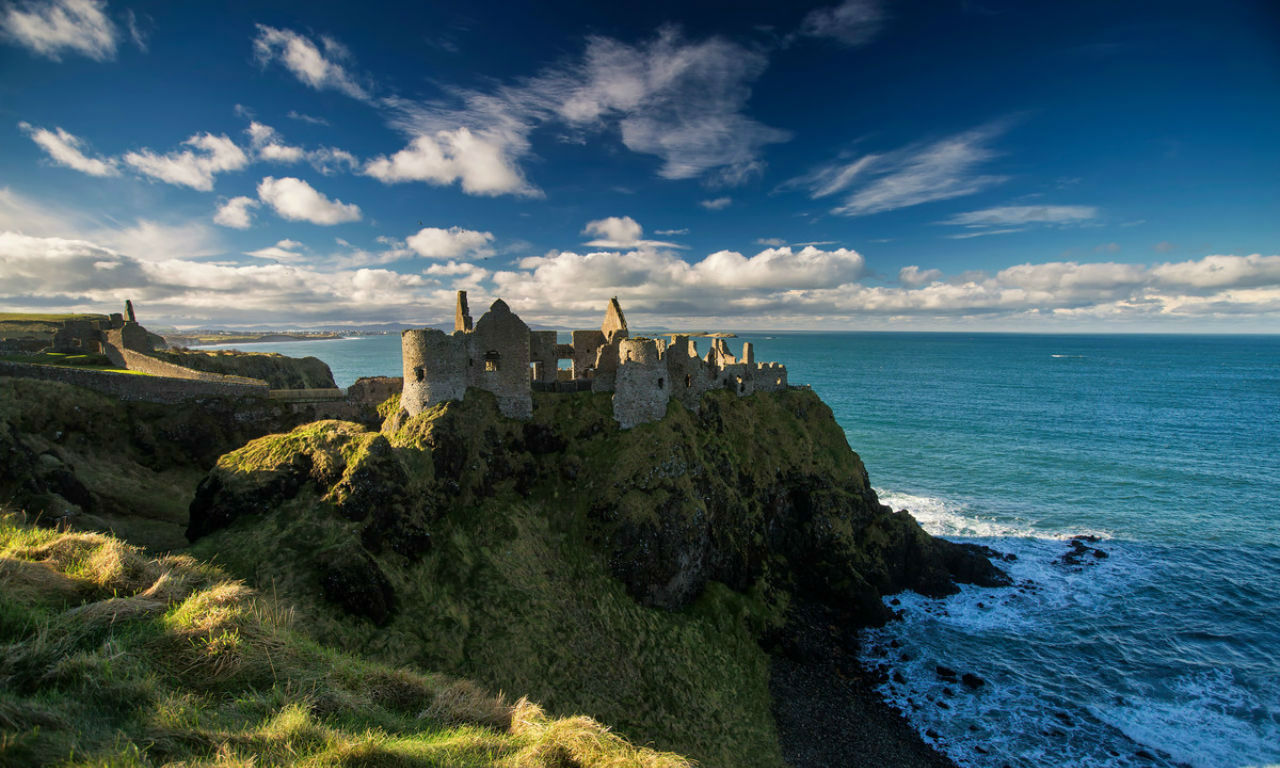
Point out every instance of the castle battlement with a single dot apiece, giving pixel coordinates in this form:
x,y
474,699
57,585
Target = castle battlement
x,y
499,354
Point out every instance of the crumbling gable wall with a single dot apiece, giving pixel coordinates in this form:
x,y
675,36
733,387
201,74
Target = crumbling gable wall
x,y
544,356
500,360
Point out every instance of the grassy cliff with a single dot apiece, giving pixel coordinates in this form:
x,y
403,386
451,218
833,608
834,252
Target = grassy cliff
x,y
111,658
279,371
632,575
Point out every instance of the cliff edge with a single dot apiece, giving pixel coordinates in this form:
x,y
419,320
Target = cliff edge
x,y
636,575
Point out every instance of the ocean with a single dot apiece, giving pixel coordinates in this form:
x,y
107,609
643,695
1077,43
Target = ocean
x,y
1164,650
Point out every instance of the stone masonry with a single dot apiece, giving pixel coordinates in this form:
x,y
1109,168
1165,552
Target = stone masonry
x,y
501,355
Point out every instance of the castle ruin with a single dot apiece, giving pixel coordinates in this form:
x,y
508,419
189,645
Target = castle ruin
x,y
499,354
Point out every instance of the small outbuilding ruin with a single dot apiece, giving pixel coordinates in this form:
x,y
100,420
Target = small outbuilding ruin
x,y
499,354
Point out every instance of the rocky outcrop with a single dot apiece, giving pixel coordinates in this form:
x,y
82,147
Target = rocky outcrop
x,y
761,489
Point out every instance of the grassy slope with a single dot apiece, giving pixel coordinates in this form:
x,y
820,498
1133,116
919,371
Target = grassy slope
x,y
108,658
515,593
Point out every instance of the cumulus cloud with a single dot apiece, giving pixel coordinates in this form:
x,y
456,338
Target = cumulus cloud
x,y
67,150
195,167
296,200
304,58
912,175
55,27
451,243
483,161
716,204
913,277
678,100
853,22
235,213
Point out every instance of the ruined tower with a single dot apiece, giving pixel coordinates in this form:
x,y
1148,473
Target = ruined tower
x,y
462,316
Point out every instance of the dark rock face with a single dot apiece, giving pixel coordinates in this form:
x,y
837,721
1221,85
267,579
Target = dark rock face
x,y
352,579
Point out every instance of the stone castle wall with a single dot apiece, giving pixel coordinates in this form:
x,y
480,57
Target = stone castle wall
x,y
501,355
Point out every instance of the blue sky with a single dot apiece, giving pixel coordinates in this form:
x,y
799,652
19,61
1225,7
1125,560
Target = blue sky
x,y
858,165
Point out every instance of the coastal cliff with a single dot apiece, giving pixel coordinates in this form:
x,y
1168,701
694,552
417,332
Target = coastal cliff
x,y
277,370
640,576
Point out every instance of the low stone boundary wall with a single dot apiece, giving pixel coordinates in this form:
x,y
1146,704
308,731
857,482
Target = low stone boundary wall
x,y
129,386
308,395
137,361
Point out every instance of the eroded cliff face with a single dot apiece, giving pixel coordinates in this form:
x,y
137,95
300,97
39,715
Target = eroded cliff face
x,y
762,489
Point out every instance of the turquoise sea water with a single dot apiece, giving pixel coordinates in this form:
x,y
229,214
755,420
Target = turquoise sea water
x,y
1166,652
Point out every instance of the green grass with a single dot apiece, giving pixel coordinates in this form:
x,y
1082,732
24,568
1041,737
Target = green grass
x,y
111,658
64,360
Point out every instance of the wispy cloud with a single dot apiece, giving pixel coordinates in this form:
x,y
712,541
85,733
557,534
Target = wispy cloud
x,y
67,150
716,204
319,69
912,175
55,27
1014,215
853,22
681,101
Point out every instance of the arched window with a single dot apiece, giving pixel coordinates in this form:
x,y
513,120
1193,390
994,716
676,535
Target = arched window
x,y
661,382
688,381
491,360
418,374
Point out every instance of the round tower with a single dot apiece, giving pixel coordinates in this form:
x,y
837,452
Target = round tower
x,y
435,369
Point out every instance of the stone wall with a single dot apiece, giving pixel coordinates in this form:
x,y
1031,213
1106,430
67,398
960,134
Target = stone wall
x,y
137,361
129,386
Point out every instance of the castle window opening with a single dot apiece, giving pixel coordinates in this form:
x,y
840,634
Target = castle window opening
x,y
417,373
491,360
742,387
661,382
688,381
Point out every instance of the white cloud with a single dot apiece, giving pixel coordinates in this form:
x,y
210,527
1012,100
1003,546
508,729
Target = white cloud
x,y
54,27
913,277
1016,215
301,56
191,168
451,243
683,231
772,242
1220,272
68,150
286,251
296,200
680,101
853,22
270,146
331,160
621,232
718,204
909,176
482,161
235,213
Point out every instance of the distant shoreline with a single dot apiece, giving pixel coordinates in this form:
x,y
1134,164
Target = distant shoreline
x,y
178,340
